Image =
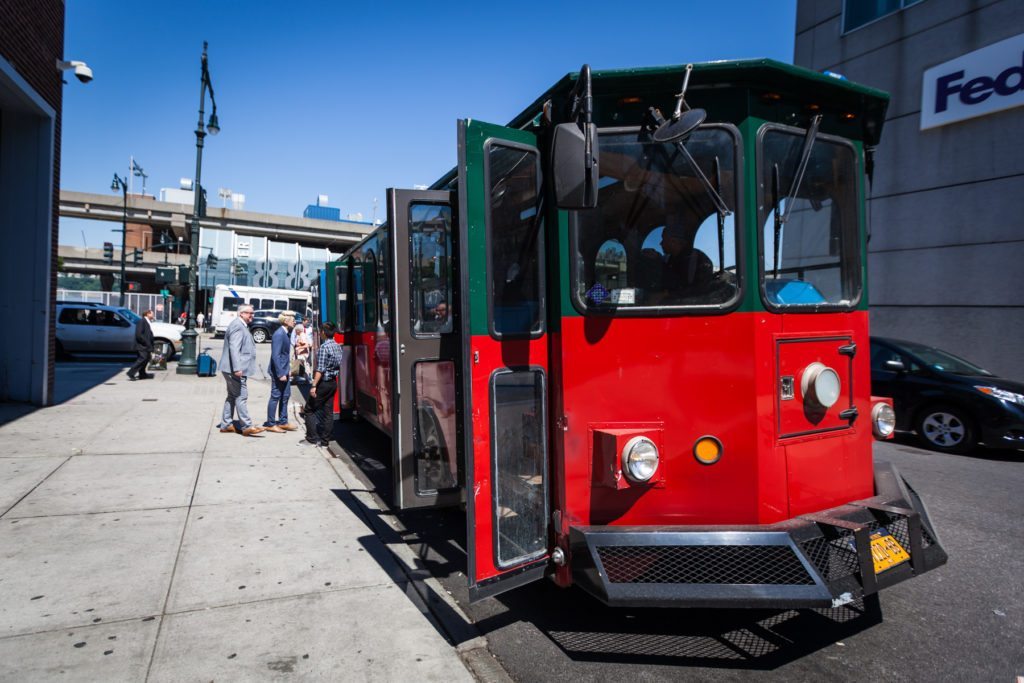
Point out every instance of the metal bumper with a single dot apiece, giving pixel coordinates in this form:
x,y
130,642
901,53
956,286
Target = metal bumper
x,y
817,560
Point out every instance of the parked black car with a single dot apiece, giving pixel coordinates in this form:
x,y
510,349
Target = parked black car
x,y
264,324
951,403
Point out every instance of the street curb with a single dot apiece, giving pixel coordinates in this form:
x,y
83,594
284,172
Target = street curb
x,y
458,628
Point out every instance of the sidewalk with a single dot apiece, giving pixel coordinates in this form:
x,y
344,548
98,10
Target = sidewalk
x,y
137,543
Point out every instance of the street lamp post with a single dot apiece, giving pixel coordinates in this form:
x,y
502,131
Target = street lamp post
x,y
187,364
122,184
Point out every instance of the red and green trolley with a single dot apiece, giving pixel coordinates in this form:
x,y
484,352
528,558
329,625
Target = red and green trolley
x,y
630,333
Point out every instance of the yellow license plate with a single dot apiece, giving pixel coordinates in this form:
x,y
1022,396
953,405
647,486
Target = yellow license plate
x,y
886,551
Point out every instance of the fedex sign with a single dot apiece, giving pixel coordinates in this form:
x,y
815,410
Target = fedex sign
x,y
978,83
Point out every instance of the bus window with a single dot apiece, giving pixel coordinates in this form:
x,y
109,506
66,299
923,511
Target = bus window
x,y
656,237
430,247
515,240
358,293
383,281
519,464
297,305
370,282
280,305
813,260
231,303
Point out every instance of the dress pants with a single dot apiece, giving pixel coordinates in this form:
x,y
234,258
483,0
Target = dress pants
x,y
237,401
320,412
277,406
139,367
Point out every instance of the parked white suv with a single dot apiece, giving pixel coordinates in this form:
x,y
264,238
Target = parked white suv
x,y
91,328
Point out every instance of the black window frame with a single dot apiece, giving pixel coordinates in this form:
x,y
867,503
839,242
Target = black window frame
x,y
858,199
541,242
687,310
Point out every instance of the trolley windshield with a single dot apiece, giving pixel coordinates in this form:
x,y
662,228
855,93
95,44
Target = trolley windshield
x,y
656,242
810,249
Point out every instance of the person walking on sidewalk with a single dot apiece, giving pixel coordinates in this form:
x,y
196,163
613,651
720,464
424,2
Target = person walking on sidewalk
x,y
280,379
143,347
237,363
319,410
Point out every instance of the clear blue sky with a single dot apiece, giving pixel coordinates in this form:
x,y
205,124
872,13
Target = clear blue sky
x,y
347,99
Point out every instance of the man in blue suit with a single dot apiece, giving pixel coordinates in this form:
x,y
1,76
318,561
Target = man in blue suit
x,y
280,376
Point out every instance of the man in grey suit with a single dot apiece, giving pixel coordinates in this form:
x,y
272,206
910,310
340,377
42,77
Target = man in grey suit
x,y
237,363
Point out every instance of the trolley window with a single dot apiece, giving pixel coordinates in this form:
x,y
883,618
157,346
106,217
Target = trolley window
x,y
518,466
383,281
810,244
430,248
515,240
656,240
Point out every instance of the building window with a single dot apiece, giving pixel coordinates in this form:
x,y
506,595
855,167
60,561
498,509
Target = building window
x,y
857,13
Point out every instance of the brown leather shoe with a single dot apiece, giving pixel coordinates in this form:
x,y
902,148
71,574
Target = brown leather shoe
x,y
230,429
251,431
288,427
274,428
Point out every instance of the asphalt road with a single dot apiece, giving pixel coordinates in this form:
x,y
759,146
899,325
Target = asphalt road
x,y
963,621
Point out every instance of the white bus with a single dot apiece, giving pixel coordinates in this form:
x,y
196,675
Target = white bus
x,y
227,299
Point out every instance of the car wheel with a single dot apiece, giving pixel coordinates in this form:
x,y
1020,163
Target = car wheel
x,y
946,429
259,335
164,348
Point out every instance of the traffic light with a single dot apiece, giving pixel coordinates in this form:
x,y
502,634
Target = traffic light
x,y
137,256
134,286
211,261
239,268
108,252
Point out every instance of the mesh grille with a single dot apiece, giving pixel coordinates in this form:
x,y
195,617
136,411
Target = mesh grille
x,y
833,558
836,558
723,564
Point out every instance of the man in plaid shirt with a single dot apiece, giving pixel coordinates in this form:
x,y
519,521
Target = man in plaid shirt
x,y
319,410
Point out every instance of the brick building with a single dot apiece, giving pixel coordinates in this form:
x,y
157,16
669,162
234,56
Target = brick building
x,y
31,45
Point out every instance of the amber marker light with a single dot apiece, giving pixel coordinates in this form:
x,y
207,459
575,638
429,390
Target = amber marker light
x,y
630,100
707,450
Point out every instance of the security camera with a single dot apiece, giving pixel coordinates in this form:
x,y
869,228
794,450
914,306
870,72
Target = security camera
x,y
81,70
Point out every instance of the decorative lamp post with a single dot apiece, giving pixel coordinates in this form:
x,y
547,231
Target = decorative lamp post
x,y
122,184
187,364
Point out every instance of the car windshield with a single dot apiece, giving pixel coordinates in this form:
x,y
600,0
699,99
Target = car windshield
x,y
129,314
946,362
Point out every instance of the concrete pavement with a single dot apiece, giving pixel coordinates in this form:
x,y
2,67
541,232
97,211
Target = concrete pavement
x,y
137,542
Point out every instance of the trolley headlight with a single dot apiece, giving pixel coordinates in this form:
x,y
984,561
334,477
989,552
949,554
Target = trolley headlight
x,y
820,384
639,459
883,420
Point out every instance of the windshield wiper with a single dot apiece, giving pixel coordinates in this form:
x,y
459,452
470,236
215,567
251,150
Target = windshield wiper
x,y
716,198
805,156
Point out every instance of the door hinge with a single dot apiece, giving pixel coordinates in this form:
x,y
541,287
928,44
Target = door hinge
x,y
476,357
563,423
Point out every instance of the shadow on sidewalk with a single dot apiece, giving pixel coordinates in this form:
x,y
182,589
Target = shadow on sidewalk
x,y
447,620
72,378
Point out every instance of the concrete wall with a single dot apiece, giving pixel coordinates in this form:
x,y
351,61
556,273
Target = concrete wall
x,y
946,259
31,42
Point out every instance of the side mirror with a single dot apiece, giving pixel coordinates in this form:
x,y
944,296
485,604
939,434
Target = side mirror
x,y
895,366
574,162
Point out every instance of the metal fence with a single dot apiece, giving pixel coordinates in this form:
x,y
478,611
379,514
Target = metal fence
x,y
160,305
